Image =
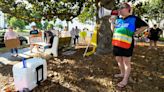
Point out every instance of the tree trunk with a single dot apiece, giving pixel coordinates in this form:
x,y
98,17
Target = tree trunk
x,y
105,33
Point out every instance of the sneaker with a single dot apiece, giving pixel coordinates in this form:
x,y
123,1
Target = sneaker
x,y
16,55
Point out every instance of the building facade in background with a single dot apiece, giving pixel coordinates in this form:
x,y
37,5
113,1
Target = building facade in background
x,y
3,23
2,20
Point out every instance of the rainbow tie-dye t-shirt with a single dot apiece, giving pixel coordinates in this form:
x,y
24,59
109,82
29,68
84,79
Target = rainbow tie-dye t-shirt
x,y
124,31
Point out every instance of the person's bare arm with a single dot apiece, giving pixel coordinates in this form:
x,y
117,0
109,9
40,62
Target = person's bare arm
x,y
112,27
5,37
160,32
112,21
141,29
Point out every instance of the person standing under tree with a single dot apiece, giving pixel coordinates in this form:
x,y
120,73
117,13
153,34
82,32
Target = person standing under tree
x,y
154,34
83,35
77,31
124,28
10,34
72,32
34,32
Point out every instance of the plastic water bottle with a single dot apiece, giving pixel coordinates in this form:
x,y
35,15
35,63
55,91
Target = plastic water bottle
x,y
24,63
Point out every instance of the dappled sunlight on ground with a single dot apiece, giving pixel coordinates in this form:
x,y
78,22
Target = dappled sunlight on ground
x,y
95,73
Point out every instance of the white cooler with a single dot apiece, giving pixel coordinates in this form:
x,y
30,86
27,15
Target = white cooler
x,y
30,77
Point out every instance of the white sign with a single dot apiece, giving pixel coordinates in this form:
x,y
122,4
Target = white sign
x,y
34,40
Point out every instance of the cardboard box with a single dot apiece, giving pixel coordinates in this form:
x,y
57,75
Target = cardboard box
x,y
12,43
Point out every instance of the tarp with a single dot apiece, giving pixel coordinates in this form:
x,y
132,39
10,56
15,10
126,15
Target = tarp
x,y
94,38
92,42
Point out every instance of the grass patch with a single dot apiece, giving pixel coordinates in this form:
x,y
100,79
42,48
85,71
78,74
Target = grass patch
x,y
4,49
161,39
24,31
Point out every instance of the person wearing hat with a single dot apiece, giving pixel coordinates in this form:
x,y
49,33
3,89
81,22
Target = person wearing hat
x,y
124,28
34,32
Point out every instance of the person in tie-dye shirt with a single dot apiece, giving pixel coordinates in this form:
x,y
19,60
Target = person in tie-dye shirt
x,y
124,27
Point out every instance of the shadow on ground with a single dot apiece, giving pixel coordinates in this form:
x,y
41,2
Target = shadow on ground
x,y
95,73
76,73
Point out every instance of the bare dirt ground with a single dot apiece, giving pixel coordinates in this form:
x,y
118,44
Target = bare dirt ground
x,y
96,73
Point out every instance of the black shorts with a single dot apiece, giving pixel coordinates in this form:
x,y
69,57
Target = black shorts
x,y
76,37
154,38
118,51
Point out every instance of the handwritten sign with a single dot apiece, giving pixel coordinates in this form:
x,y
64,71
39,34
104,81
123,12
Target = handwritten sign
x,y
36,38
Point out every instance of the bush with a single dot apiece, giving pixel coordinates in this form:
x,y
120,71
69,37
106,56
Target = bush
x,y
17,23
